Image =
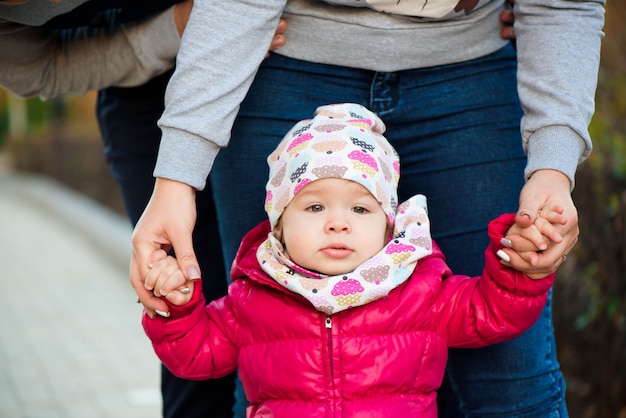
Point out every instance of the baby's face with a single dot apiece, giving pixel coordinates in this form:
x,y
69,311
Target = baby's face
x,y
333,225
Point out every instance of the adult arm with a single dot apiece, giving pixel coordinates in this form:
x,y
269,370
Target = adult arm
x,y
213,75
558,44
221,50
38,62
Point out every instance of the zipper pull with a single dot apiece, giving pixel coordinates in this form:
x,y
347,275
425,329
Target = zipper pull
x,y
329,322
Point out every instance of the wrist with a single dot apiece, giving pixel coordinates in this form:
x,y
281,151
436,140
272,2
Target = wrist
x,y
173,188
550,176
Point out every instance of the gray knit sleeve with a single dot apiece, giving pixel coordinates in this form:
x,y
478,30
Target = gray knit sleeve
x,y
558,44
36,62
223,45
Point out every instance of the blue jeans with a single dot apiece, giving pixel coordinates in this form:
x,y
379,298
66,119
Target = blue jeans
x,y
456,128
127,118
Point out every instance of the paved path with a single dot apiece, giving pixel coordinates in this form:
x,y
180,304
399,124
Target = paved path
x,y
71,344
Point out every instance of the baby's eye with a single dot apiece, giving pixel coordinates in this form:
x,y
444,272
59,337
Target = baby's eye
x,y
315,208
359,209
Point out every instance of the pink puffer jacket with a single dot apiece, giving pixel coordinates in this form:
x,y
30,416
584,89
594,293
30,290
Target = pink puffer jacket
x,y
383,359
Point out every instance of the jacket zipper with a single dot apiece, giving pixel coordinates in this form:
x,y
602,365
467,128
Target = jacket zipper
x,y
329,328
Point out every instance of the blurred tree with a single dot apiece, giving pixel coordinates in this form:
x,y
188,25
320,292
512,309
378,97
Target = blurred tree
x,y
613,53
590,292
17,123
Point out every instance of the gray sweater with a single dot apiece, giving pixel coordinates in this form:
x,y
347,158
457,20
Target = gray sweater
x,y
558,44
36,62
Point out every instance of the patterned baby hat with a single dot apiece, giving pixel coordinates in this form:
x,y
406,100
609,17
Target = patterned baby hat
x,y
341,141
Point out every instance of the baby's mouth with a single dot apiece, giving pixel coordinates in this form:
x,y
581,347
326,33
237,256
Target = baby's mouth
x,y
337,251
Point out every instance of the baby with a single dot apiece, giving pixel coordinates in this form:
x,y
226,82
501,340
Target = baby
x,y
341,304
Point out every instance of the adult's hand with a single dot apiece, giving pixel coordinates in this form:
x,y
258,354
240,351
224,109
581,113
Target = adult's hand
x,y
166,223
507,18
279,38
181,17
546,189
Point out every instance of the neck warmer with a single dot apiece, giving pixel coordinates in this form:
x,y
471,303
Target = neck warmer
x,y
372,280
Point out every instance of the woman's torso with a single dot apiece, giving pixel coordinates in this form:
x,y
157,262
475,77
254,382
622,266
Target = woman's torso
x,y
366,38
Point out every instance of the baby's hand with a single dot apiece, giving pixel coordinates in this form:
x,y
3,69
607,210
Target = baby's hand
x,y
539,235
526,245
166,279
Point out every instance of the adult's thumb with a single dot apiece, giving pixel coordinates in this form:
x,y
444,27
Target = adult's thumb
x,y
526,216
186,258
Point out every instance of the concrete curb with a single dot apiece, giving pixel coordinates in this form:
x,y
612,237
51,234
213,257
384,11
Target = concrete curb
x,y
106,230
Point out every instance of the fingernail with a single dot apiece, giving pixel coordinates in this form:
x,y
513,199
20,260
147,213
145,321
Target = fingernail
x,y
163,314
185,290
524,213
506,242
193,273
499,253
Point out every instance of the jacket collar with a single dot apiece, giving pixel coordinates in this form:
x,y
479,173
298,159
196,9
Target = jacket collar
x,y
261,258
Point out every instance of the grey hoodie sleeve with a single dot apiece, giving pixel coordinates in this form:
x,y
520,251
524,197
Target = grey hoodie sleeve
x,y
222,47
38,63
558,43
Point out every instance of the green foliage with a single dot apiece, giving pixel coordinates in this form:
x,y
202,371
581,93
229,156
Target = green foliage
x,y
37,113
36,117
590,298
608,125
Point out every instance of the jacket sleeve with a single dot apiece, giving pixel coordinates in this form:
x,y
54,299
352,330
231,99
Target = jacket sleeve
x,y
558,46
495,307
197,341
38,62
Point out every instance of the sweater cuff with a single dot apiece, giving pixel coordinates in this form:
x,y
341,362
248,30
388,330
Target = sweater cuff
x,y
185,157
556,148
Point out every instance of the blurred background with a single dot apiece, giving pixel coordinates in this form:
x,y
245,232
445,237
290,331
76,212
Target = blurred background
x,y
59,139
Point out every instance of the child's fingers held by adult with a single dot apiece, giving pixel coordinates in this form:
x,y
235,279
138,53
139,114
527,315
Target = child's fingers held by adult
x,y
547,262
151,278
154,278
518,243
155,257
557,210
549,230
170,278
554,216
152,305
181,295
170,282
525,239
